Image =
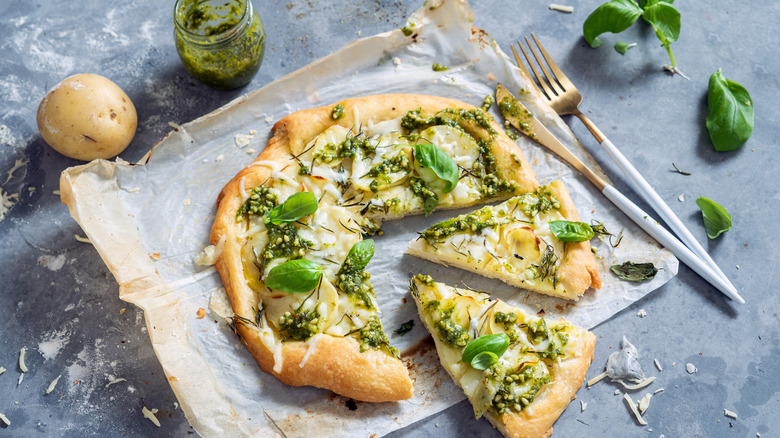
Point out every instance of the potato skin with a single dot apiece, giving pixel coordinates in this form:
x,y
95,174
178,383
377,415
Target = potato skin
x,y
86,117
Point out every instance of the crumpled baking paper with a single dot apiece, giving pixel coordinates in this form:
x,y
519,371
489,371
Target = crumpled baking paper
x,y
149,221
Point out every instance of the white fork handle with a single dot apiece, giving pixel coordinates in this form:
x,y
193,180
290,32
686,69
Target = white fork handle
x,y
651,197
670,242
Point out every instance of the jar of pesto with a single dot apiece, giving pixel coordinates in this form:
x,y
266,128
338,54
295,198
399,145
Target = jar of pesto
x,y
220,42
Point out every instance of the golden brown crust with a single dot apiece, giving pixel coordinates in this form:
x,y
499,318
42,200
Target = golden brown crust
x,y
578,270
550,403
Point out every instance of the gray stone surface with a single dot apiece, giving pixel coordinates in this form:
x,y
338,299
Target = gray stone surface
x,y
58,299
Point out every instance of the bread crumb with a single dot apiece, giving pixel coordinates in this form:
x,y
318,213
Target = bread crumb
x,y
134,189
201,312
641,313
220,157
122,310
155,256
250,151
186,201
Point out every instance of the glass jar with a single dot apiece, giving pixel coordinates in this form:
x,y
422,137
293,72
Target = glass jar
x,y
220,42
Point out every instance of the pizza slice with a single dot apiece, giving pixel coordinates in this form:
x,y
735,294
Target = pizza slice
x,y
517,369
290,228
514,242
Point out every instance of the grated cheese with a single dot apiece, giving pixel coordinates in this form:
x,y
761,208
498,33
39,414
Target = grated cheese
x,y
641,313
81,239
115,381
583,405
658,390
561,8
644,403
311,346
21,377
639,385
5,419
730,414
150,415
658,365
632,407
690,368
52,385
22,365
2,370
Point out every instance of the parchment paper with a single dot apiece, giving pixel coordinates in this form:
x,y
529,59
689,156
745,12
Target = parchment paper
x,y
149,221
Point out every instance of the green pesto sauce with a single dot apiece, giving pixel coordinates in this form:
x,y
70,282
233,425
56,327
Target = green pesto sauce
x,y
472,222
372,336
210,49
540,200
381,171
505,400
425,279
338,112
439,67
535,332
494,186
356,284
260,200
450,332
284,242
488,102
346,149
429,197
299,324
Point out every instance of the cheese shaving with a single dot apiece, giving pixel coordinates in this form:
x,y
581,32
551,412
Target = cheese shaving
x,y
690,368
53,385
21,377
81,239
150,415
639,385
632,407
561,8
115,381
596,379
644,403
730,414
311,345
5,419
2,370
583,405
658,390
22,365
658,365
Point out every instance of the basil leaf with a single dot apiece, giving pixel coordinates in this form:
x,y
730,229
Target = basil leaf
x,y
294,276
622,47
405,328
631,271
615,16
716,219
295,207
429,155
495,343
665,20
360,254
567,231
729,113
484,360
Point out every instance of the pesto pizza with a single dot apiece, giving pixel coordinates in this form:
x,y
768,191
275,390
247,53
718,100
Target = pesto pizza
x,y
518,370
291,228
518,242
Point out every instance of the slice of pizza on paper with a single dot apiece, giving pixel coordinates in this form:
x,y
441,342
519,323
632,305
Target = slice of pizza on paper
x,y
517,369
516,242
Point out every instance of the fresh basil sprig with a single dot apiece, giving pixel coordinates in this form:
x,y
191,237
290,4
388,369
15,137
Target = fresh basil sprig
x,y
631,271
294,276
716,219
360,254
484,351
618,15
729,113
295,207
568,231
430,156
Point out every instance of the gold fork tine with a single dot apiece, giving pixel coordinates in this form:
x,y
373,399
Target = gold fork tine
x,y
539,79
550,78
559,76
521,65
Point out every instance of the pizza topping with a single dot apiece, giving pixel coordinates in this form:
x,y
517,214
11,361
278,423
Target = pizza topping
x,y
260,200
372,336
353,279
429,198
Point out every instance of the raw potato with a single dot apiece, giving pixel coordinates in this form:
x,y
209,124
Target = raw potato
x,y
87,117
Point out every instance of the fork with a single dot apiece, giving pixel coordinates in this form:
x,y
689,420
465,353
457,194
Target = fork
x,y
564,98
